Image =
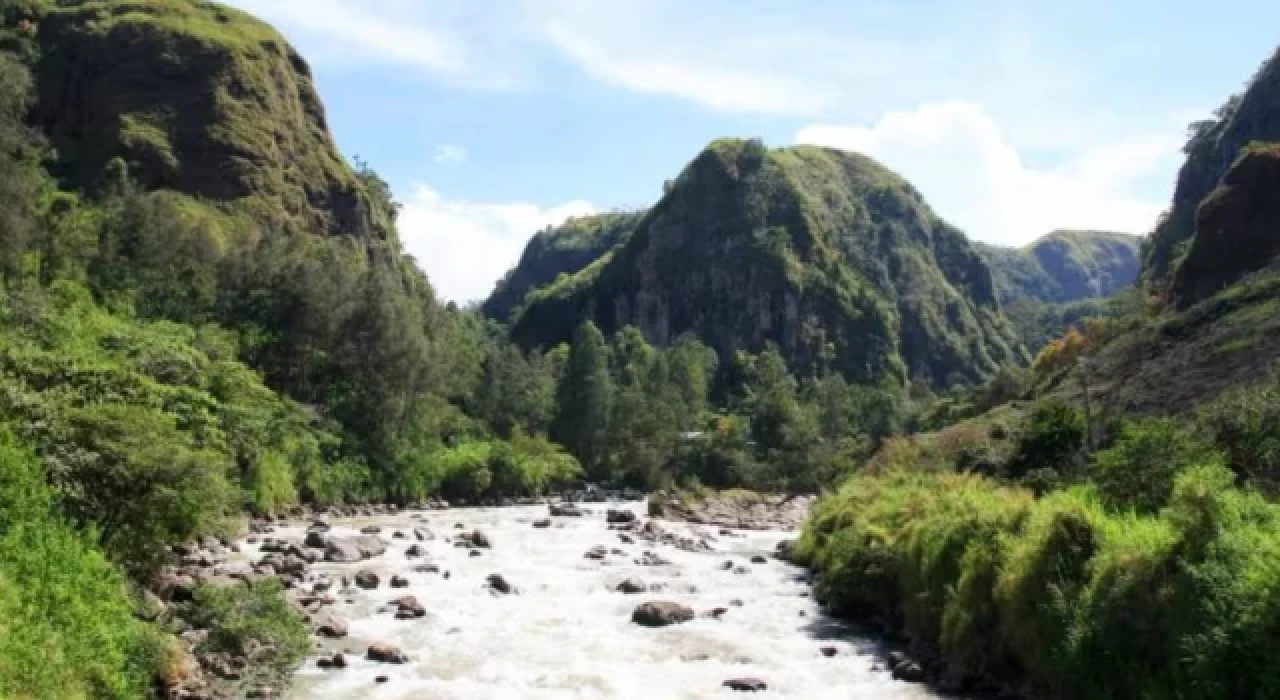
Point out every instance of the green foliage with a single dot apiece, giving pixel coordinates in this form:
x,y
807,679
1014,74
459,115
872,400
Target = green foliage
x,y
584,401
1245,422
1058,595
254,621
486,470
1138,469
66,623
1052,438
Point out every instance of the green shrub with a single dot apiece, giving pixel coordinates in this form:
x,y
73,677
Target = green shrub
x,y
1052,438
1058,595
1245,423
256,621
1138,469
66,623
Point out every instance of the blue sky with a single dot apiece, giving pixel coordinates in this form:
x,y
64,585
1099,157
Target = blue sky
x,y
494,118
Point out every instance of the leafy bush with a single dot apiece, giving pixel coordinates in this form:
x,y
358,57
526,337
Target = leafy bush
x,y
1246,424
1059,595
256,621
1052,438
1138,469
66,623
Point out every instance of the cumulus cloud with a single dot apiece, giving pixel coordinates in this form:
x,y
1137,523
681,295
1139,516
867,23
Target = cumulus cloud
x,y
465,246
450,153
964,163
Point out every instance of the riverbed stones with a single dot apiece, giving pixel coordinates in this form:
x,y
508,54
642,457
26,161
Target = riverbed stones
x,y
332,626
499,584
746,685
619,517
661,614
630,586
398,581
759,559
597,553
408,607
542,523
353,549
367,579
565,510
414,551
385,652
477,538
828,651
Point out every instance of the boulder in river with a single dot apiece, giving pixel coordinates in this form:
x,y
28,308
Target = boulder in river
x,y
414,551
748,685
352,549
386,653
398,581
408,607
332,626
565,510
758,559
661,614
631,585
367,579
542,523
597,552
619,516
498,583
477,538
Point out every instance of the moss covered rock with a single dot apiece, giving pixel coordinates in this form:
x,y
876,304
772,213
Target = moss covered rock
x,y
199,98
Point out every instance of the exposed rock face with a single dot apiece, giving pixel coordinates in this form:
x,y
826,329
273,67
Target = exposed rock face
x,y
251,128
816,250
661,614
1237,227
1253,115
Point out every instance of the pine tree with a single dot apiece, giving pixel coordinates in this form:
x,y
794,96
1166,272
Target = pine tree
x,y
584,401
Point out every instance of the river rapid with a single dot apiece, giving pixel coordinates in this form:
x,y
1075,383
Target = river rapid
x,y
565,633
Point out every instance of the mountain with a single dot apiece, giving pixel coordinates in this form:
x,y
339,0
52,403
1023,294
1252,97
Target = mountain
x,y
194,97
559,250
1222,185
1065,266
1212,268
828,254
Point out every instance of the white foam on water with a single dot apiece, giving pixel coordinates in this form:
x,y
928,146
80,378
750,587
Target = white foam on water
x,y
567,635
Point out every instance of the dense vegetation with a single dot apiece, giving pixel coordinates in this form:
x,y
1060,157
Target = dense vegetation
x,y
1104,524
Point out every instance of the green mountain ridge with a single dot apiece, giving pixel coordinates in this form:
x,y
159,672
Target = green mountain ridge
x,y
1065,266
826,253
251,133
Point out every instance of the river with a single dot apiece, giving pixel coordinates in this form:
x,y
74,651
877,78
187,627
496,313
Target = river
x,y
565,634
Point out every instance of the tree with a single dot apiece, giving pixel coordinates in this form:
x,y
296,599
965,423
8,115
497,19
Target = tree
x,y
585,400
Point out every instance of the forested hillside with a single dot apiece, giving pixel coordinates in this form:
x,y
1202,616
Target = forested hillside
x,y
828,254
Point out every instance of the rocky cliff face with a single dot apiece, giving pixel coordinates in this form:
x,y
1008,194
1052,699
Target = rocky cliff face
x,y
1065,266
1216,144
828,254
196,97
1237,227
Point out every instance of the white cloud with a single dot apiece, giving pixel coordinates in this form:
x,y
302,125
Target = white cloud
x,y
715,86
465,246
370,31
450,153
964,164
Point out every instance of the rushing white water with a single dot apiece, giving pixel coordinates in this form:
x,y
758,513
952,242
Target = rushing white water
x,y
566,634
